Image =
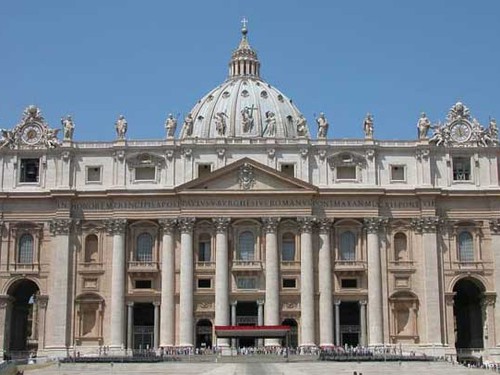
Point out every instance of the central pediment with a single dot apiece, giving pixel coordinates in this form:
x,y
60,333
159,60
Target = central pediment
x,y
247,175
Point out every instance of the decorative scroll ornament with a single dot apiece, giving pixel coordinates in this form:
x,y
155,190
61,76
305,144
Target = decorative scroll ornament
x,y
31,132
495,226
324,225
186,224
246,177
428,224
306,223
460,129
168,225
373,224
116,226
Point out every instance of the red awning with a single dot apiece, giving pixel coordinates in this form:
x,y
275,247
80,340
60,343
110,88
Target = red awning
x,y
251,331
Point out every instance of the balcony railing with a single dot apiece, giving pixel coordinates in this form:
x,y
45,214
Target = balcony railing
x,y
473,265
290,265
25,268
142,266
205,266
247,265
90,267
350,265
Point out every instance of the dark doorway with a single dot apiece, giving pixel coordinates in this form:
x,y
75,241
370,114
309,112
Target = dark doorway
x,y
349,323
22,320
468,315
143,326
204,334
293,340
246,315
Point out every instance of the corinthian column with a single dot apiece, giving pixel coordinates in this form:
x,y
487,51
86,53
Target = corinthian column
x,y
167,307
375,315
307,282
325,284
432,315
57,310
186,282
495,248
272,310
221,276
117,229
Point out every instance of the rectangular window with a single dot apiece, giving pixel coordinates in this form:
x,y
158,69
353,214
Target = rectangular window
x,y
204,283
288,169
349,283
204,169
346,173
145,173
93,175
143,284
397,173
246,283
30,170
289,283
461,169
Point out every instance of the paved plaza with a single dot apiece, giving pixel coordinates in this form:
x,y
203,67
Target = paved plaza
x,y
259,368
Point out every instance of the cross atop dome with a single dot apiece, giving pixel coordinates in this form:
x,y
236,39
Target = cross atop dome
x,y
244,61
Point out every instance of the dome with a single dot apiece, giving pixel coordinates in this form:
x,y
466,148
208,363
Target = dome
x,y
244,105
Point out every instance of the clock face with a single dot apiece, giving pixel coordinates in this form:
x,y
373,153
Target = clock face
x,y
31,134
460,132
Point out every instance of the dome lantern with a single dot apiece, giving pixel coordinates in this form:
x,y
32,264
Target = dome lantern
x,y
244,61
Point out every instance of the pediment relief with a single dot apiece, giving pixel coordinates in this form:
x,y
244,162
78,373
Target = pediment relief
x,y
145,159
247,175
346,159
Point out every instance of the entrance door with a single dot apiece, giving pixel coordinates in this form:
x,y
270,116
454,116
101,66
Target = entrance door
x,y
204,334
349,323
246,315
468,316
23,325
143,326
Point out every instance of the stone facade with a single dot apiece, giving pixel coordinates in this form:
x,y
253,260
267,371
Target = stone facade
x,y
147,244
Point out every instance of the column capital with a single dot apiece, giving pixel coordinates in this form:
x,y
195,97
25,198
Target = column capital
x,y
42,301
60,226
130,303
337,302
186,224
427,224
5,300
270,224
116,226
306,223
234,303
373,224
168,225
325,225
495,226
221,224
156,303
260,302
363,302
489,299
450,298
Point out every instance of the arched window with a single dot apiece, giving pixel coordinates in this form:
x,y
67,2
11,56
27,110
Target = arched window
x,y
91,248
246,246
465,247
400,247
288,247
347,246
144,248
204,248
25,250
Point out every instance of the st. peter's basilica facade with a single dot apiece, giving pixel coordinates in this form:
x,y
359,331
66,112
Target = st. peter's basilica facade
x,y
245,219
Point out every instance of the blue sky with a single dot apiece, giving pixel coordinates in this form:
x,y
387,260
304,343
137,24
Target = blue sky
x,y
98,59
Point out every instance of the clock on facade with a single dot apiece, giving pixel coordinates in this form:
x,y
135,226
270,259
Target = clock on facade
x,y
31,134
460,131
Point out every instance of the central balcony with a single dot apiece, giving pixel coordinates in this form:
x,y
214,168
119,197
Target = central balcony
x,y
247,265
350,265
142,266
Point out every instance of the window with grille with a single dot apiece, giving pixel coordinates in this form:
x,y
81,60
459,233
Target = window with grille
x,y
288,247
246,246
204,248
246,283
461,169
30,170
347,246
25,253
465,247
144,251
